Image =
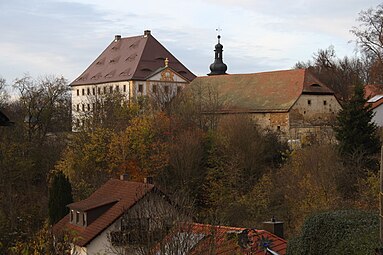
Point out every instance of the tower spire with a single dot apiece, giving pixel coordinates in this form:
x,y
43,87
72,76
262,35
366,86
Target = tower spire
x,y
218,67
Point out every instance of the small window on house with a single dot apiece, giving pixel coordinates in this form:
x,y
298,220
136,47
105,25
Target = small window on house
x,y
83,92
154,88
77,216
83,107
324,102
166,89
104,90
71,211
117,88
179,88
88,107
309,102
140,88
111,89
94,91
278,128
124,88
78,92
78,107
99,91
88,91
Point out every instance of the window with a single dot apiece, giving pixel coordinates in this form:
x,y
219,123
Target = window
x,y
94,91
99,90
111,89
278,128
104,90
140,88
88,107
166,88
117,88
124,88
77,216
78,107
324,102
93,106
154,88
88,90
71,215
84,219
83,92
309,102
83,107
179,88
78,92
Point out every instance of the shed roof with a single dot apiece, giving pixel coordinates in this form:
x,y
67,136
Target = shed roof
x,y
130,58
275,91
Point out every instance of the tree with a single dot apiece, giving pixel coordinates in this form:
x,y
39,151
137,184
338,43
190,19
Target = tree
x,y
60,194
338,232
355,131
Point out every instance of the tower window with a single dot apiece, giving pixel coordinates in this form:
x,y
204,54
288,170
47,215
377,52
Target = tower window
x,y
309,102
94,91
83,92
111,89
99,90
83,107
124,88
324,102
140,88
78,107
88,107
78,92
88,90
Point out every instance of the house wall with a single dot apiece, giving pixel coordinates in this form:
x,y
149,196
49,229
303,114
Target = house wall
x,y
100,244
378,117
313,115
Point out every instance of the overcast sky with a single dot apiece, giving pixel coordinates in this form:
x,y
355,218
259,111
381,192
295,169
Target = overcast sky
x,y
62,37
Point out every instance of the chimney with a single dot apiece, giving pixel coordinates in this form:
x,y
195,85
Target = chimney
x,y
124,177
147,32
274,227
117,38
148,180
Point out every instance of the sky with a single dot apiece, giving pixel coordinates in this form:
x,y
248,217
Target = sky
x,y
63,37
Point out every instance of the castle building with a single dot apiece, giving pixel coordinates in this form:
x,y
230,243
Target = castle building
x,y
292,102
134,66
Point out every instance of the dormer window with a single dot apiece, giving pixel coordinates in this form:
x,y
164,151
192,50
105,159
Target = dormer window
x,y
77,217
84,219
71,215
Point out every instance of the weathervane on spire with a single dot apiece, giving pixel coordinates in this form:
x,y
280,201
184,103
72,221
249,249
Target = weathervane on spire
x,y
218,32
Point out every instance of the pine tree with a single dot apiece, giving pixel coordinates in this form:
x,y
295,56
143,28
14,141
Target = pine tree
x,y
60,194
355,131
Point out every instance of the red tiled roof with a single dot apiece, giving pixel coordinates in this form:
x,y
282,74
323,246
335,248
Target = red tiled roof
x,y
262,92
372,90
217,240
126,193
131,58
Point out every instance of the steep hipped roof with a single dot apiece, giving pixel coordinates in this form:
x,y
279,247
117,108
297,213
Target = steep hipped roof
x,y
131,58
223,240
123,193
262,92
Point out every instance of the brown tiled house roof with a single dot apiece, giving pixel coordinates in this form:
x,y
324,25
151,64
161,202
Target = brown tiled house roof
x,y
275,91
131,58
223,240
374,92
124,194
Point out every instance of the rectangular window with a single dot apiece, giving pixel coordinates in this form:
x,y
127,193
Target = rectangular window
x,y
309,102
71,215
78,92
124,88
324,102
166,89
83,107
83,92
88,107
104,90
94,91
140,88
117,88
77,216
78,107
154,88
88,90
111,89
99,90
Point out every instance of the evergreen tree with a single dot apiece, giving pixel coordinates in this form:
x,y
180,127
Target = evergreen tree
x,y
60,194
355,131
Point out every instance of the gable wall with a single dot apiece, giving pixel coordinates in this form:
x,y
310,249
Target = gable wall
x,y
378,117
